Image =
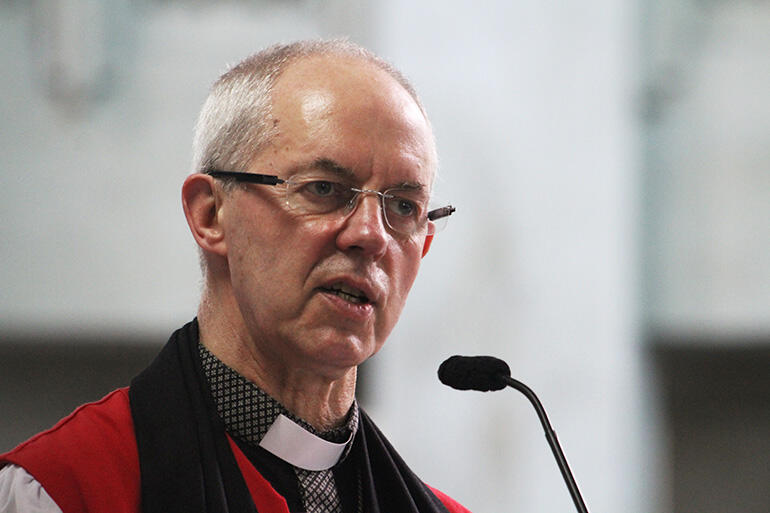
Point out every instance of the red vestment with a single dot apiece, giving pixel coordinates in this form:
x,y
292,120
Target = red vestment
x,y
88,462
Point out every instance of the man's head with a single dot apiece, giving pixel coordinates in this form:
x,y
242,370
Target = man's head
x,y
233,126
317,292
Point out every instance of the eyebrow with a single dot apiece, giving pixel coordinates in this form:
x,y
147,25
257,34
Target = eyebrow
x,y
345,173
326,164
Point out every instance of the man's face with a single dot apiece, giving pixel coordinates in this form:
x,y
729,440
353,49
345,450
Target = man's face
x,y
294,275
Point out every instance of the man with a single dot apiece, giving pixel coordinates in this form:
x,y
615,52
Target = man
x,y
314,164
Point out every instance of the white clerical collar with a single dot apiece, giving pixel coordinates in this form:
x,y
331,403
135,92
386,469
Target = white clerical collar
x,y
298,446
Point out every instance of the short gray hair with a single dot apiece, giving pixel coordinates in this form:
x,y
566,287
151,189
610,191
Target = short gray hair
x,y
234,125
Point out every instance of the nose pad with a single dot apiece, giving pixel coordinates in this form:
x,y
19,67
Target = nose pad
x,y
361,230
360,196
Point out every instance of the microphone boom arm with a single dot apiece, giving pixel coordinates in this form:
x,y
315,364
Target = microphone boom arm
x,y
550,435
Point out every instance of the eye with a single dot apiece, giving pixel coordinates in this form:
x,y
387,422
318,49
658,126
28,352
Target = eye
x,y
402,207
322,188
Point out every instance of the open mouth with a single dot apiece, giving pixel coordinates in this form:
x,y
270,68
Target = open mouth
x,y
349,294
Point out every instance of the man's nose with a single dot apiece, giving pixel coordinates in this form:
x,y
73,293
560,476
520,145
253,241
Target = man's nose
x,y
364,227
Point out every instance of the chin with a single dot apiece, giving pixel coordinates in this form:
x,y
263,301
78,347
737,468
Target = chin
x,y
346,352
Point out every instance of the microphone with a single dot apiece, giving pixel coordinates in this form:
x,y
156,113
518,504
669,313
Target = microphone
x,y
482,373
487,373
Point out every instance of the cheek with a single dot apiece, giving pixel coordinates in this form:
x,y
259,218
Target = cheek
x,y
255,258
408,273
402,275
272,241
250,256
412,258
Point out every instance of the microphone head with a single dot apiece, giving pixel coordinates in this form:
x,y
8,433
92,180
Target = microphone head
x,y
482,373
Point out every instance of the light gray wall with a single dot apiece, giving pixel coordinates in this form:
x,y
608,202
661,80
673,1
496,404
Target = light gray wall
x,y
708,167
533,109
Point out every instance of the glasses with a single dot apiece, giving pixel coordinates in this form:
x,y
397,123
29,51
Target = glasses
x,y
406,210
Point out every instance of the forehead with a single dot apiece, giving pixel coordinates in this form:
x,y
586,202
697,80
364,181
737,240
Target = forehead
x,y
349,111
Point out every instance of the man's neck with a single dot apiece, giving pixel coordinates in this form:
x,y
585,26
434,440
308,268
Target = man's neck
x,y
321,401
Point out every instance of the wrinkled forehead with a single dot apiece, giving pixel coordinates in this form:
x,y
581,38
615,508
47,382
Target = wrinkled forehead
x,y
353,106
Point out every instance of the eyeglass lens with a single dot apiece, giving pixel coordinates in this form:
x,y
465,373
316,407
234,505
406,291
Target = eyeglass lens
x,y
404,210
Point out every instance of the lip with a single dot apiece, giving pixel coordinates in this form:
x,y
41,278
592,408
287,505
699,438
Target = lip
x,y
358,311
372,292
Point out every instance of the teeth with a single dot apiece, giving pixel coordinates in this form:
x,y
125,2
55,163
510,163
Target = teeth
x,y
348,290
348,297
348,293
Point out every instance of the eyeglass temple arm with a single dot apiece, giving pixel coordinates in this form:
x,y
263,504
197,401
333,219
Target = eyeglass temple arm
x,y
441,212
247,177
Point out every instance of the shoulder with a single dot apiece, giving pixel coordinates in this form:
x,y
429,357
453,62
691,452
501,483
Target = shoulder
x,y
20,492
99,431
87,457
393,458
452,505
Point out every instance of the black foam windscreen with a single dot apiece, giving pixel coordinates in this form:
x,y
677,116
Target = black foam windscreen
x,y
482,373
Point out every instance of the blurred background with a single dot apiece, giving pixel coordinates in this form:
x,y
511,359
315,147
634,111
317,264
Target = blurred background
x,y
609,165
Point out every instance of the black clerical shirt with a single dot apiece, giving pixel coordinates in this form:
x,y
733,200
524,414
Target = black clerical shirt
x,y
248,413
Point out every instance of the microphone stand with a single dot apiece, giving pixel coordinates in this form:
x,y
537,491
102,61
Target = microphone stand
x,y
550,435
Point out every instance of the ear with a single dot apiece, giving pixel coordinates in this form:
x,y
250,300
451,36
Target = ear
x,y
426,245
200,204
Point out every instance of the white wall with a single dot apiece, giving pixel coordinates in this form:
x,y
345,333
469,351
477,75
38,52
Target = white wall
x,y
91,182
533,107
708,150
